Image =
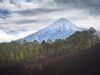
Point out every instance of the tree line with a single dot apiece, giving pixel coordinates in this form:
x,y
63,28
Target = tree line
x,y
33,51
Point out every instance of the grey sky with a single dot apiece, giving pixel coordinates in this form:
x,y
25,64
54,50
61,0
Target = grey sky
x,y
25,18
92,6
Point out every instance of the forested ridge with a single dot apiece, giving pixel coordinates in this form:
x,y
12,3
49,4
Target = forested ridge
x,y
32,57
30,51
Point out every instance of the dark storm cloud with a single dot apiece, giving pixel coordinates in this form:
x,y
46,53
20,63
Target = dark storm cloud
x,y
1,1
93,6
89,3
4,13
37,11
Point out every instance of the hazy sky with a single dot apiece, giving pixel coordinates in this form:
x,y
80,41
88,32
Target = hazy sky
x,y
19,18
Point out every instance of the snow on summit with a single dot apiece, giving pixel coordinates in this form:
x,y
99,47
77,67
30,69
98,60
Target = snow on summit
x,y
60,29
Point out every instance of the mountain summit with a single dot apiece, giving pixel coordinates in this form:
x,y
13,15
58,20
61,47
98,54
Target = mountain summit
x,y
60,29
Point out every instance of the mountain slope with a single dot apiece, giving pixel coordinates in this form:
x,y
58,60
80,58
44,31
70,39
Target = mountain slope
x,y
60,29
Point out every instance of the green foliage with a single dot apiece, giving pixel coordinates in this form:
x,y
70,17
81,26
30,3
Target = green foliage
x,y
14,52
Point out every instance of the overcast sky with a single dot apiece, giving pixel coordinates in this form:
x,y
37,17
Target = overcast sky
x,y
19,18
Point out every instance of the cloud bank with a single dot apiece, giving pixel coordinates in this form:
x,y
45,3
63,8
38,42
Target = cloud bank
x,y
19,18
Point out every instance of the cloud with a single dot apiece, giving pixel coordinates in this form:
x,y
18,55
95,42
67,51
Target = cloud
x,y
26,21
89,3
37,11
5,37
26,18
4,13
92,6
